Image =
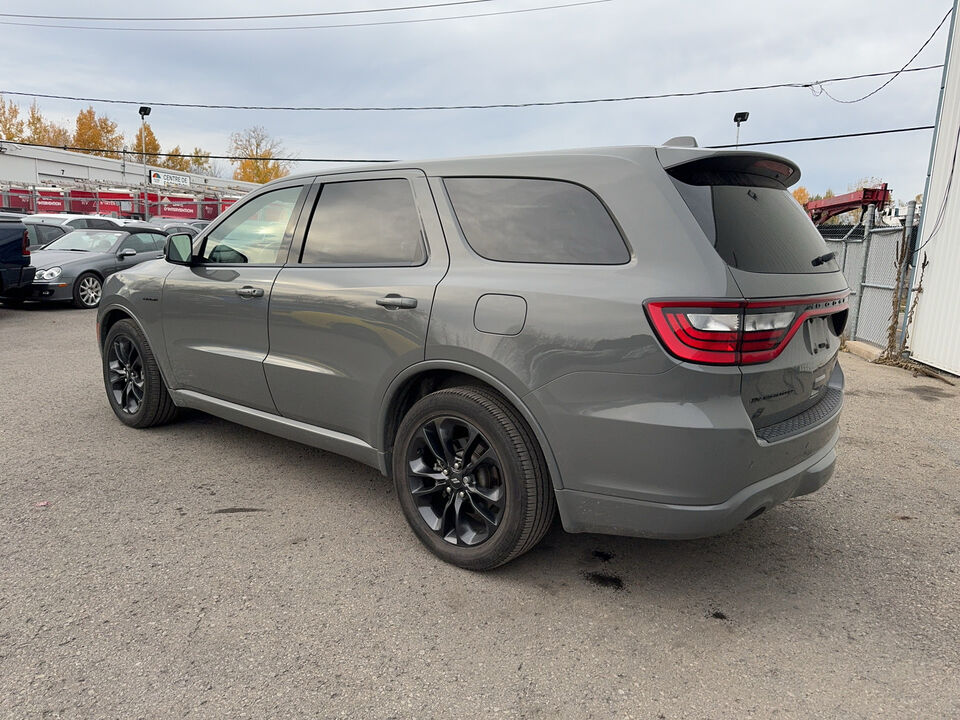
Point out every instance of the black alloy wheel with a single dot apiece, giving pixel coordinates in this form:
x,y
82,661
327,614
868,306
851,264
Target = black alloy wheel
x,y
131,376
456,480
470,477
125,368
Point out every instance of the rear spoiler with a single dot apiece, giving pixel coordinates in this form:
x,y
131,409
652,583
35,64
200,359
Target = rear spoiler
x,y
736,167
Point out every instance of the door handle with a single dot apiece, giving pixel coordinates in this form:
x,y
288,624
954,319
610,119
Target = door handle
x,y
393,301
249,292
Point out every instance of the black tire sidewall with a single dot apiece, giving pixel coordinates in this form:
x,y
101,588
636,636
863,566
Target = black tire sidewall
x,y
502,544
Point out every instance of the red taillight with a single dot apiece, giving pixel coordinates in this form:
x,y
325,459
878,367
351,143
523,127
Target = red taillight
x,y
26,244
733,332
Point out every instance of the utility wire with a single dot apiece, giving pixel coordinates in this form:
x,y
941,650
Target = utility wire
x,y
99,18
819,89
123,151
354,160
397,108
824,137
312,27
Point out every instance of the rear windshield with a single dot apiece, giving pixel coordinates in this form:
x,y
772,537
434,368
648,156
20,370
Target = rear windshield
x,y
758,229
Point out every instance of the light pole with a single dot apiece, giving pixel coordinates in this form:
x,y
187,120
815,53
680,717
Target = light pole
x,y
740,117
144,111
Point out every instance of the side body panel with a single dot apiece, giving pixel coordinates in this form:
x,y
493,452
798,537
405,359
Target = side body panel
x,y
333,349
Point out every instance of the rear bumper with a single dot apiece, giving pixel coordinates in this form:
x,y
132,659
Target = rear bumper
x,y
595,513
14,281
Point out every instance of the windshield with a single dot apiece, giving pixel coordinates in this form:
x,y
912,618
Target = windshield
x,y
87,240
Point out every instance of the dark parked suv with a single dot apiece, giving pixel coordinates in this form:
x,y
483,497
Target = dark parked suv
x,y
643,339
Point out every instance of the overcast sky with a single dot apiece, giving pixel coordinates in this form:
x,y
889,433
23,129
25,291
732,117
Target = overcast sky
x,y
616,48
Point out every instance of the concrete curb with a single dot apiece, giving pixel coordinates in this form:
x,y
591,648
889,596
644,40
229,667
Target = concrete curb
x,y
863,350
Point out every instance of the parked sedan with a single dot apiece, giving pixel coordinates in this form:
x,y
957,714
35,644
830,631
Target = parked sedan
x,y
73,267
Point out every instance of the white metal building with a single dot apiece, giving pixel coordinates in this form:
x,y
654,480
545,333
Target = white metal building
x,y
935,335
51,166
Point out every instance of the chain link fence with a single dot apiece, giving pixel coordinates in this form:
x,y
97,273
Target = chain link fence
x,y
867,254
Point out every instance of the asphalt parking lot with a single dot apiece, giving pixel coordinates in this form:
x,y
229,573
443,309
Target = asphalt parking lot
x,y
206,570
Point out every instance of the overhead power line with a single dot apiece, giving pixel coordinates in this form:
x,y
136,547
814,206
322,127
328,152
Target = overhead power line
x,y
101,18
397,108
818,89
137,153
816,138
308,27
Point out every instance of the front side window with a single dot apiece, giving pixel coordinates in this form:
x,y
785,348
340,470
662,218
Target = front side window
x,y
141,242
365,222
254,232
535,221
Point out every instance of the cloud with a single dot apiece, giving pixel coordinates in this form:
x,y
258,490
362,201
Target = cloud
x,y
618,48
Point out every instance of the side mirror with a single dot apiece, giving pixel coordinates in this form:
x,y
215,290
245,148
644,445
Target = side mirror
x,y
126,252
179,249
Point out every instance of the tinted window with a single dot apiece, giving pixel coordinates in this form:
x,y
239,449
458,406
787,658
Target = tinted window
x,y
542,221
367,222
78,223
101,224
141,242
254,232
765,230
47,233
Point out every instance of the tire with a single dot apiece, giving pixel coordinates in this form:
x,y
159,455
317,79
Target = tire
x,y
497,474
131,377
87,291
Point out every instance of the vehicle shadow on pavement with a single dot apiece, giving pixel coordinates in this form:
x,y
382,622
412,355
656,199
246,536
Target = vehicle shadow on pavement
x,y
763,563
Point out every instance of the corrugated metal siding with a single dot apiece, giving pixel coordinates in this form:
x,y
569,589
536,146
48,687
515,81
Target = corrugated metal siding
x,y
935,336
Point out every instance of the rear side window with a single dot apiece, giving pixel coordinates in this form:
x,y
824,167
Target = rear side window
x,y
365,222
535,221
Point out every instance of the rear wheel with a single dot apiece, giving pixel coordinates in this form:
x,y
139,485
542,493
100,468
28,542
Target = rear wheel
x,y
87,291
471,479
132,378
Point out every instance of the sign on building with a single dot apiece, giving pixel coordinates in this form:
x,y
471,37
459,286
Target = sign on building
x,y
168,179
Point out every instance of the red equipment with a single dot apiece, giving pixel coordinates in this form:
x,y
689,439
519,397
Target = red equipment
x,y
822,210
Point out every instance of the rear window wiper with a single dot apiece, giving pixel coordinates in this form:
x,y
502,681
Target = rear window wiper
x,y
825,258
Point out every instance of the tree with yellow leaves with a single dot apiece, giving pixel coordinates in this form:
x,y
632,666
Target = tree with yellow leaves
x,y
11,126
801,195
41,131
174,162
97,132
145,144
257,156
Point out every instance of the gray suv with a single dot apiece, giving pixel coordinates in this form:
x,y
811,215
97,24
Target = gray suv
x,y
643,339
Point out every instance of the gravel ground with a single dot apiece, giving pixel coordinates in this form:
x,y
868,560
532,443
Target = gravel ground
x,y
131,587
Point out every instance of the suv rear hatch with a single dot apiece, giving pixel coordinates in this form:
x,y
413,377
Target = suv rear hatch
x,y
784,330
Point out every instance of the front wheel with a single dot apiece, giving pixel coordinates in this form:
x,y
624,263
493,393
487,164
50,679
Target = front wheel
x,y
132,378
471,479
87,291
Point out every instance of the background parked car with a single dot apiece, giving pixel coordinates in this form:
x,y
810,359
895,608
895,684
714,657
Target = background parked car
x,y
41,230
73,267
198,224
15,269
77,222
174,226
